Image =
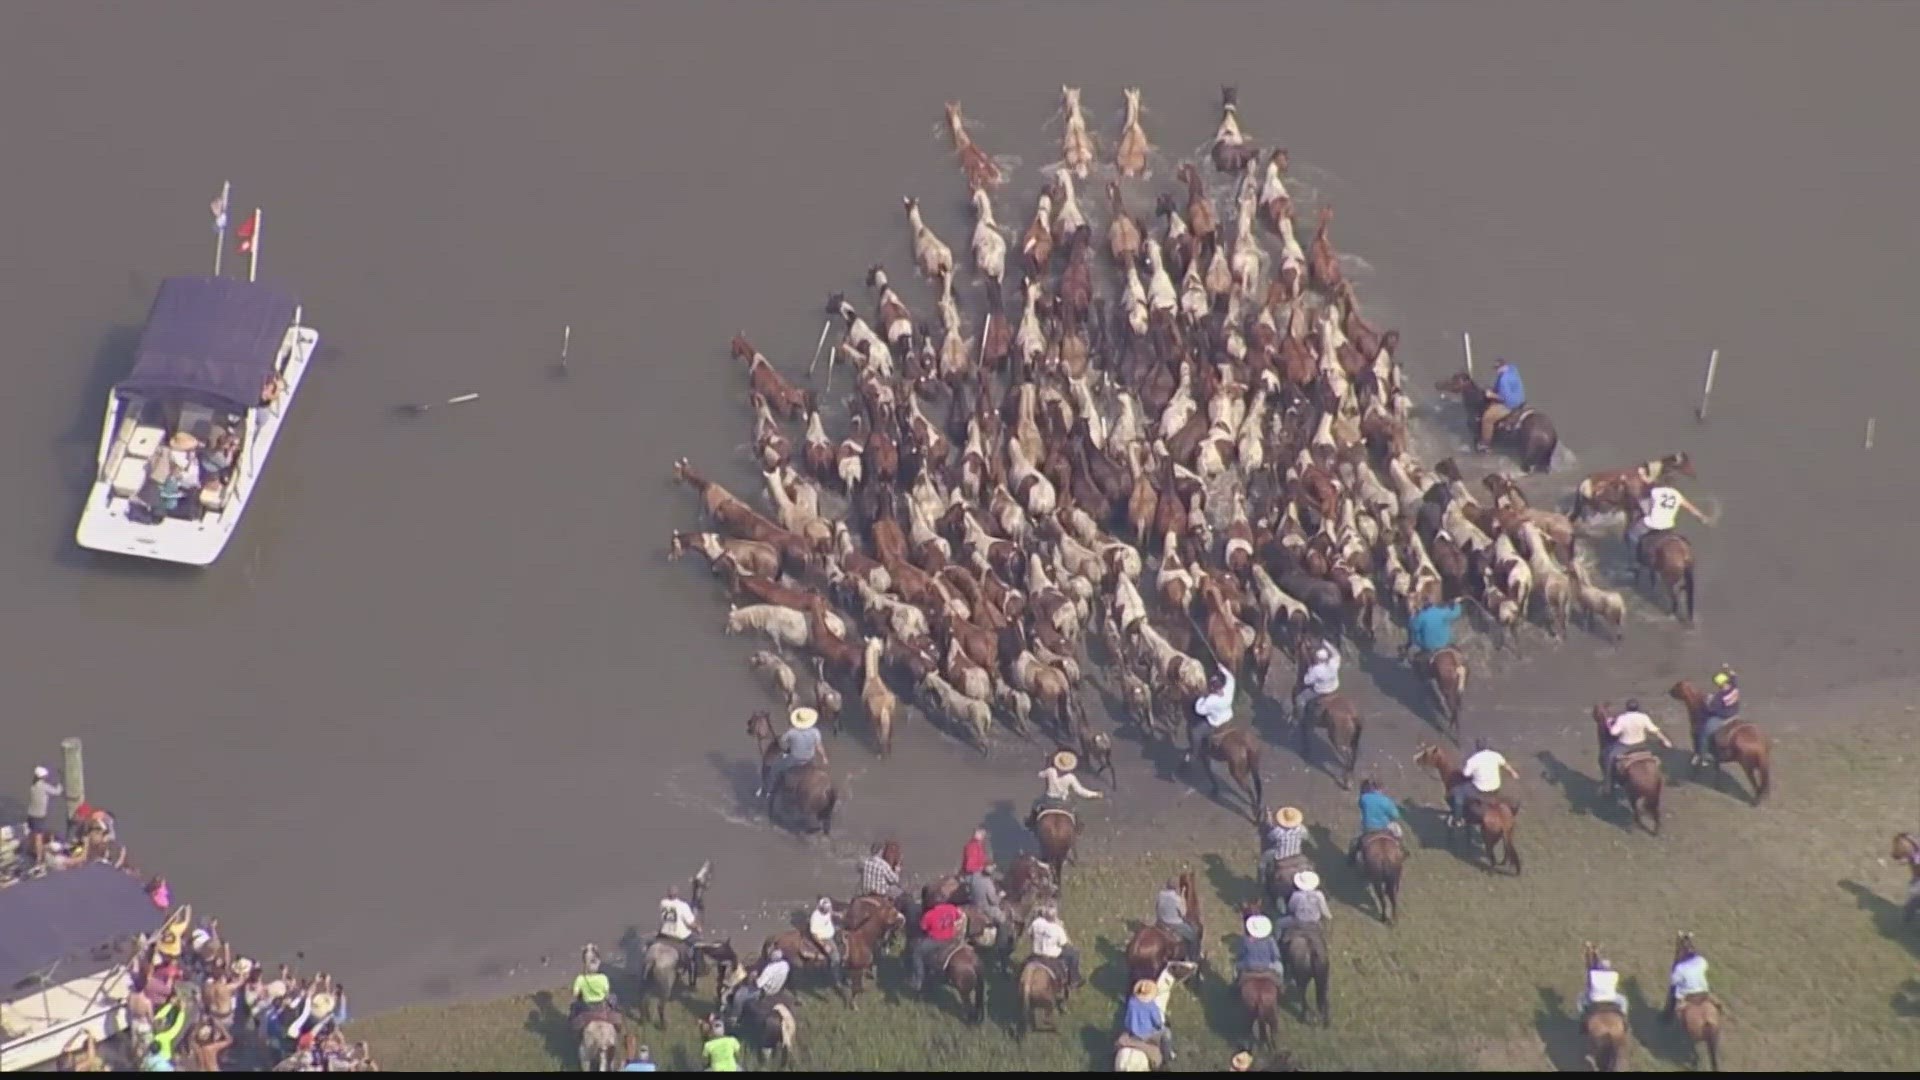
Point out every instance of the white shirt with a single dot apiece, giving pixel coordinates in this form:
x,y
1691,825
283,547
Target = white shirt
x,y
1661,507
1483,770
1603,985
820,924
1061,785
1630,728
1217,709
676,919
773,978
1049,937
1324,676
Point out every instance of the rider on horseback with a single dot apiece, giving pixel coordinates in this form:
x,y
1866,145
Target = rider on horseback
x,y
1628,732
1170,914
1688,977
1480,775
1430,630
771,980
1378,813
1145,1022
878,877
940,927
1722,707
1508,396
800,745
592,991
1321,679
1050,943
1259,952
1602,988
1212,714
1061,786
822,929
1660,508
1307,908
678,925
1283,842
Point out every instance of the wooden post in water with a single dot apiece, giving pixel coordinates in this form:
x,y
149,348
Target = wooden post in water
x,y
73,774
1869,433
1467,341
1706,391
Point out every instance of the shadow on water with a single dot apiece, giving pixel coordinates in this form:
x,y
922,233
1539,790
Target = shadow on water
x,y
1560,1032
739,779
1888,916
1584,794
1006,832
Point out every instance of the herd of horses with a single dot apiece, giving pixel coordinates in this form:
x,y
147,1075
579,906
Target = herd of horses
x,y
1206,463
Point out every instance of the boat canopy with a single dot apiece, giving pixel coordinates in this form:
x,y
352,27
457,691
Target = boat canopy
x,y
65,924
210,340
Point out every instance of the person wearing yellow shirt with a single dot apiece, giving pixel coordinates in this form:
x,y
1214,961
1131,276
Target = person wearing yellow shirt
x,y
721,1050
591,988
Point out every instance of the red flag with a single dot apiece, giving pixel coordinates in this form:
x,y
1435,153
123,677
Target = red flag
x,y
245,232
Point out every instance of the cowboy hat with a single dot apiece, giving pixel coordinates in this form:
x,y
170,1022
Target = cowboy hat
x,y
1146,989
1242,1062
1065,761
243,967
1288,817
1259,926
322,1003
1306,881
804,718
183,440
40,772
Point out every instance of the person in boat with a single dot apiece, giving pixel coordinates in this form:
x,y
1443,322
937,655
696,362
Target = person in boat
x,y
1170,914
678,925
1480,776
1430,630
1601,987
800,745
1061,786
1687,978
1320,680
1508,396
219,456
1627,732
271,390
1212,713
1259,953
1660,510
1378,813
1722,707
1048,937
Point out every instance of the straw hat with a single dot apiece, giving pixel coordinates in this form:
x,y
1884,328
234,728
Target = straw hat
x,y
1146,989
243,967
183,440
1288,817
1242,1062
804,718
276,989
1306,881
1259,926
322,1003
1065,761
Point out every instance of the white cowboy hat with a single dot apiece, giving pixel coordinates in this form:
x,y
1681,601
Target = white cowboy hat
x,y
40,772
1259,926
1065,761
804,718
1323,654
243,967
1242,1061
1288,817
1306,881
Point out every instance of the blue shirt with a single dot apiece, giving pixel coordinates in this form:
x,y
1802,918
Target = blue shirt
x,y
1377,811
1507,387
1259,952
1431,628
639,1066
1144,1019
801,743
1724,703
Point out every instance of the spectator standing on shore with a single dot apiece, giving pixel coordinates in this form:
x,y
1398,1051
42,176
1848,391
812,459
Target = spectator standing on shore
x,y
40,796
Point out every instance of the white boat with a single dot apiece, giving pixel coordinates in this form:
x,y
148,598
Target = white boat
x,y
188,431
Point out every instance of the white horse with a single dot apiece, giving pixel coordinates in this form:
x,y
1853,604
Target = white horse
x,y
1128,1059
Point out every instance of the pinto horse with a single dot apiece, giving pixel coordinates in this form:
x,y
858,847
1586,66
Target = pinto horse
x,y
1738,741
1529,432
1151,948
1668,558
1497,817
1639,772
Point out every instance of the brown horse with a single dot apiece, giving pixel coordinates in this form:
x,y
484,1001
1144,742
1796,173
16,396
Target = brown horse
x,y
1241,753
965,972
1668,558
1498,817
1446,676
1637,770
1382,857
1151,948
859,948
1260,996
1056,830
1309,962
804,797
1042,991
1738,741
1339,717
1605,1028
1906,849
1699,1014
1529,431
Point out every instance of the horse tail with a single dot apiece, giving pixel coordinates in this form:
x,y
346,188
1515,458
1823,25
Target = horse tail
x,y
1259,786
1512,853
980,996
1606,1056
1688,582
1580,504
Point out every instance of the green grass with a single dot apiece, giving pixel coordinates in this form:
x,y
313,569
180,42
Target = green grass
x,y
1792,903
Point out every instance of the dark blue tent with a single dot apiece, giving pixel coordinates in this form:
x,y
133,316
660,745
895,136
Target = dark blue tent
x,y
210,340
65,924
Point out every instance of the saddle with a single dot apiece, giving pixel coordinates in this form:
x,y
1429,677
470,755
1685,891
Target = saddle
x,y
1068,814
1371,835
1054,966
1477,803
1650,543
1594,1007
1722,736
1313,931
601,1012
1509,424
1282,870
946,953
1627,758
1261,974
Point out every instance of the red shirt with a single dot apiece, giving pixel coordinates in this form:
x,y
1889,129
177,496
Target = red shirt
x,y
941,922
973,857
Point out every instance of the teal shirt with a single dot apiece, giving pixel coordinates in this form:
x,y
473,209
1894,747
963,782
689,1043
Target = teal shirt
x,y
1377,811
1432,627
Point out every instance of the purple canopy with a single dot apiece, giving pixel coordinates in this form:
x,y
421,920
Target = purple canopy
x,y
210,340
60,925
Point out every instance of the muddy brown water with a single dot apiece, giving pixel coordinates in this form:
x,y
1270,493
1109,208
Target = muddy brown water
x,y
443,709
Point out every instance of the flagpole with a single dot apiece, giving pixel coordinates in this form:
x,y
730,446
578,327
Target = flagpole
x,y
220,225
253,254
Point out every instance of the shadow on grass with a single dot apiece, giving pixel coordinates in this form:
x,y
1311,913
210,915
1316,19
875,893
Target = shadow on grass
x,y
1665,1041
1394,678
1585,795
1906,1000
1888,916
547,1021
1560,1032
